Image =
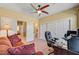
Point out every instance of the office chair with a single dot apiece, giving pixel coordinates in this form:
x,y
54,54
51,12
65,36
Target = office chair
x,y
50,40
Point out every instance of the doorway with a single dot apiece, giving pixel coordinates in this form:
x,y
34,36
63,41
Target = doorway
x,y
21,28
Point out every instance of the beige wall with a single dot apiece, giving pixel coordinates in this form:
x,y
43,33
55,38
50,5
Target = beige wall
x,y
12,14
71,14
19,16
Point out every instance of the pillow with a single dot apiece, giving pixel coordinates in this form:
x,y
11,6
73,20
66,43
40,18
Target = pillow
x,y
14,39
23,50
19,44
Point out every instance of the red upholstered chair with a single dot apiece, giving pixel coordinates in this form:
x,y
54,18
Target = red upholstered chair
x,y
20,47
24,50
4,45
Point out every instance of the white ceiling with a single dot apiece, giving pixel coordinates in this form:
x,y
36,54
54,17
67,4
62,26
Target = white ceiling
x,y
27,9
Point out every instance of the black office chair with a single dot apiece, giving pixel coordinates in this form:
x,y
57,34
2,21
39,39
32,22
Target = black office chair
x,y
50,40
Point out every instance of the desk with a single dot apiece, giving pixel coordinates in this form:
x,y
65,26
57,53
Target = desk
x,y
61,51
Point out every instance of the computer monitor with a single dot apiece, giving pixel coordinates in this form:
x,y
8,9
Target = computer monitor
x,y
71,32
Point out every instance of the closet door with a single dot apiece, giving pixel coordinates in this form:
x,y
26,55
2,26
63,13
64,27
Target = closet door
x,y
62,27
59,29
52,28
30,31
66,25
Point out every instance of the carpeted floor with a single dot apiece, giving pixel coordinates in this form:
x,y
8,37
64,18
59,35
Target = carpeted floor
x,y
41,45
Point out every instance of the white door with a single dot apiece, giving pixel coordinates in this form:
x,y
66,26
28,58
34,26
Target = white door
x,y
66,25
62,27
57,28
52,28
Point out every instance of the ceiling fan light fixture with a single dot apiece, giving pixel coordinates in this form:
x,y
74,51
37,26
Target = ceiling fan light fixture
x,y
40,9
39,12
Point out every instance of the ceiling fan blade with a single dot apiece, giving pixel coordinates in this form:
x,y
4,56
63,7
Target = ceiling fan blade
x,y
33,6
44,7
33,12
45,12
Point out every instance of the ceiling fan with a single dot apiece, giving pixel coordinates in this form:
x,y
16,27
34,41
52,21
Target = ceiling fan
x,y
40,9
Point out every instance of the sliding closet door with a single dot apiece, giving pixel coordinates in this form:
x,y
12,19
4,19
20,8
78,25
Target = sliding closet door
x,y
62,27
66,25
57,28
52,28
30,31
